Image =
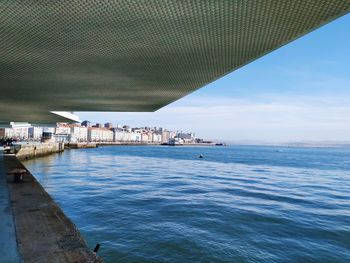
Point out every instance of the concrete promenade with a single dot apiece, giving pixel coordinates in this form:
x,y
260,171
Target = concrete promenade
x,y
34,226
8,244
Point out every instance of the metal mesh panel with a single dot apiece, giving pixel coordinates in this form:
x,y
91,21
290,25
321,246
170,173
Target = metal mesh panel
x,y
136,55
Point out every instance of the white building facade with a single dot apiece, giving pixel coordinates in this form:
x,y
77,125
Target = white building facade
x,y
35,133
17,131
78,133
100,135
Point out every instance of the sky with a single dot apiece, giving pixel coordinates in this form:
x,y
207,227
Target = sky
x,y
300,92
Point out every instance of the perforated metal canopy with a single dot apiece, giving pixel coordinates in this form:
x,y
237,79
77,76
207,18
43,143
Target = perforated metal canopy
x,y
135,55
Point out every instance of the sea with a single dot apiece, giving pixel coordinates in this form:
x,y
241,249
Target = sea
x,y
236,204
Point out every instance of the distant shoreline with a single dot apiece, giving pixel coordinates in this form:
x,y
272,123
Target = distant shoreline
x,y
98,144
293,145
257,144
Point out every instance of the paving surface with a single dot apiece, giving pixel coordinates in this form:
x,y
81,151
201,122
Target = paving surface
x,y
44,233
8,245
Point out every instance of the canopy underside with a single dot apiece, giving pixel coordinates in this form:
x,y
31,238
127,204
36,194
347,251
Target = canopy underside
x,y
135,55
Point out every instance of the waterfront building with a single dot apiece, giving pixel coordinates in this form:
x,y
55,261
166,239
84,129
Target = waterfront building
x,y
119,135
86,124
135,136
175,141
126,135
108,125
66,132
62,128
16,131
199,140
127,128
62,132
6,133
78,133
48,137
166,135
146,137
35,133
49,129
186,137
156,138
100,135
172,134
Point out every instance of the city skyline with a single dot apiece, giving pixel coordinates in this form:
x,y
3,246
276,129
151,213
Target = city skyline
x,y
87,132
298,92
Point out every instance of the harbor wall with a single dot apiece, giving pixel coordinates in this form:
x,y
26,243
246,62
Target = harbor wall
x,y
43,232
126,143
80,145
28,151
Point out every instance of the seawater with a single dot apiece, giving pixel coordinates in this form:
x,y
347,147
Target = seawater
x,y
237,204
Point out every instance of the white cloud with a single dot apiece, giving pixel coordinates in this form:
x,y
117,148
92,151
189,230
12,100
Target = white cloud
x,y
269,119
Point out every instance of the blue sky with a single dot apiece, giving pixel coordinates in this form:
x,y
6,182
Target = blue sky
x,y
296,93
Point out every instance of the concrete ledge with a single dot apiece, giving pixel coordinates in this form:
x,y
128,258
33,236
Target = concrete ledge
x,y
28,151
8,242
80,145
44,233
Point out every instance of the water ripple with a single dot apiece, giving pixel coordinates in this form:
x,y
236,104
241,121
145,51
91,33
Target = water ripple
x,y
159,204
